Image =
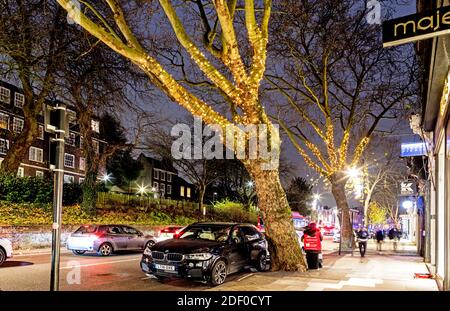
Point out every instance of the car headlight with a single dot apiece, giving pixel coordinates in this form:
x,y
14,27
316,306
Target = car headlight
x,y
199,256
147,251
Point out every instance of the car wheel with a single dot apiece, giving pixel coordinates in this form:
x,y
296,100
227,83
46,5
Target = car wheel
x,y
219,272
105,249
75,252
262,263
2,256
149,244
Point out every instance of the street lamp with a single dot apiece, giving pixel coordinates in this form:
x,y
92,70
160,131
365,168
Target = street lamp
x,y
353,172
250,184
407,204
142,190
106,177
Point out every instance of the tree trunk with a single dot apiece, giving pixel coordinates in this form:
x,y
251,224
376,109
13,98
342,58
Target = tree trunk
x,y
283,240
201,195
90,193
92,162
366,210
338,189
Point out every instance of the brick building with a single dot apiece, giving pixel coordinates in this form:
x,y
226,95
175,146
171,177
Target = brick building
x,y
36,162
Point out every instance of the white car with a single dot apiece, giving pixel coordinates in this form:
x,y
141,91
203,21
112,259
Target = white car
x,y
5,250
336,236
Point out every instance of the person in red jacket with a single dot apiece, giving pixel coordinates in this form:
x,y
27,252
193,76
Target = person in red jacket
x,y
312,244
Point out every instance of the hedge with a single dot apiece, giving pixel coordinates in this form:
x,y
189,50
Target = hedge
x,y
27,214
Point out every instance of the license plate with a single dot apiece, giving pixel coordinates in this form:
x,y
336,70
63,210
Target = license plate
x,y
165,267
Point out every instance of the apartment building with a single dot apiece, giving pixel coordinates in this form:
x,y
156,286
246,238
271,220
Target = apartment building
x,y
36,161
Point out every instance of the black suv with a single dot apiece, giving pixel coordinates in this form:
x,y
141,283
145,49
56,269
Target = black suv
x,y
208,251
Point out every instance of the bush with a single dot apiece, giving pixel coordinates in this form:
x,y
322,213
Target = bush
x,y
27,214
35,190
232,211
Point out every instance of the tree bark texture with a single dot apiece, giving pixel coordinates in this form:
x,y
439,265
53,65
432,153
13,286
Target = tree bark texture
x,y
283,240
338,190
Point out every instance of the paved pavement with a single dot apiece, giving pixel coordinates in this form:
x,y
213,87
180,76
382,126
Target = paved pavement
x,y
386,271
377,271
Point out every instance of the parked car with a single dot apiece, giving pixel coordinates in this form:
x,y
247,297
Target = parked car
x,y
208,252
336,236
5,250
106,239
168,233
327,230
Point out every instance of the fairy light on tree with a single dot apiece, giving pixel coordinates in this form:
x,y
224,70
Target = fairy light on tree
x,y
241,91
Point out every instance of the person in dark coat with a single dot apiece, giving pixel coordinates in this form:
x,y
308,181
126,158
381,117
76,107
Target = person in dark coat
x,y
312,243
380,239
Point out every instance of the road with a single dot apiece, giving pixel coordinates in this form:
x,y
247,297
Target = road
x,y
114,273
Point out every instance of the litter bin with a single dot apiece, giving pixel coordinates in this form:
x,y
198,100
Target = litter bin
x,y
313,260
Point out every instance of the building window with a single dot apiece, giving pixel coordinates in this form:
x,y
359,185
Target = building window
x,y
163,188
95,125
36,154
69,160
155,174
182,191
80,180
19,100
169,189
188,192
20,172
82,164
96,146
169,177
41,132
81,142
17,125
40,174
163,176
68,179
156,186
4,146
5,95
71,139
4,121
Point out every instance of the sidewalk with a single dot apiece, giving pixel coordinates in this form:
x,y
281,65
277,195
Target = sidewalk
x,y
385,272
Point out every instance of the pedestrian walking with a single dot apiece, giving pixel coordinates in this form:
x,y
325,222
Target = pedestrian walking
x,y
362,236
312,243
380,238
394,235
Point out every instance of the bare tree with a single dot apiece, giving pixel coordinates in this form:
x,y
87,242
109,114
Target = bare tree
x,y
235,79
98,83
339,85
32,41
201,172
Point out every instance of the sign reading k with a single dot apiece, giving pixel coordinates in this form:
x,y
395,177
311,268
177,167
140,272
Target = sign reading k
x,y
407,188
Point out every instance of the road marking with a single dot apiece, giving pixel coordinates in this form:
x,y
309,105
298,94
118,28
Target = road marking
x,y
245,276
101,263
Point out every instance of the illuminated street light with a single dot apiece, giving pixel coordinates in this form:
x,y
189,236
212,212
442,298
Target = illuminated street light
x,y
250,184
316,196
408,204
142,189
353,172
106,177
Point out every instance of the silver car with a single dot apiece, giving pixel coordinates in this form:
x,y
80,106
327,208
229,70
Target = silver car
x,y
106,239
5,250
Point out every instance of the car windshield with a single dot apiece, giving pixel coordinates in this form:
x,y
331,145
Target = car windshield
x,y
86,229
211,233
